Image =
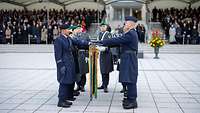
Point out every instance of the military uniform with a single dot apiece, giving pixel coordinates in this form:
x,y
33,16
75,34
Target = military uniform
x,y
65,65
83,62
128,73
106,61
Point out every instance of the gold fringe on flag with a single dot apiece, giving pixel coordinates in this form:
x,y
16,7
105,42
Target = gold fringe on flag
x,y
93,66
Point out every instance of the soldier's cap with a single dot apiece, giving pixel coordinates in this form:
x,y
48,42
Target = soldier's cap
x,y
64,26
131,18
103,24
73,27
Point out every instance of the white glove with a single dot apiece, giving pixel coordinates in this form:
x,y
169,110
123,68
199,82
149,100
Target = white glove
x,y
101,48
119,60
86,59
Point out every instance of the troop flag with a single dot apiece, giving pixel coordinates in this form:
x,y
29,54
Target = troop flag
x,y
93,66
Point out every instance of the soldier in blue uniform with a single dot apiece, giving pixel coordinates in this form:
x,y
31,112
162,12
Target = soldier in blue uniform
x,y
128,73
65,65
106,62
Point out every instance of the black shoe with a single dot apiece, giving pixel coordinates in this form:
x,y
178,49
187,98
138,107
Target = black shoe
x,y
122,91
71,99
100,87
125,94
130,105
67,102
124,100
63,104
105,90
76,93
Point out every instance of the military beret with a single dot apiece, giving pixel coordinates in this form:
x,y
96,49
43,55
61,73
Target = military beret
x,y
131,18
73,27
103,24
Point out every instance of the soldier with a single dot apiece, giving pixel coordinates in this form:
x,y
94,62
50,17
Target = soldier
x,y
65,65
129,63
82,58
106,63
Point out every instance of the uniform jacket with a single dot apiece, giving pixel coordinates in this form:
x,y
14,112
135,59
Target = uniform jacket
x,y
129,61
106,61
64,58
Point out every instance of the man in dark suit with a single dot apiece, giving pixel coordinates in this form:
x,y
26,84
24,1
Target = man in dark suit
x,y
128,73
106,63
65,65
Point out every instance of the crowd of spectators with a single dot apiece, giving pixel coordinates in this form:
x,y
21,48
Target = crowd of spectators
x,y
180,25
42,26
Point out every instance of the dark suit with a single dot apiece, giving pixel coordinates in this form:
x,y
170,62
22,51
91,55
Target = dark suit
x,y
65,65
106,61
129,62
1,35
178,35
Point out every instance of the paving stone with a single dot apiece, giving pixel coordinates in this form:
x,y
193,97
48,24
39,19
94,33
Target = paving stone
x,y
170,110
7,106
191,110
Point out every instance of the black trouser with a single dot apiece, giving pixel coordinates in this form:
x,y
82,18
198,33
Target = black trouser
x,y
105,80
124,86
82,82
132,91
8,40
64,92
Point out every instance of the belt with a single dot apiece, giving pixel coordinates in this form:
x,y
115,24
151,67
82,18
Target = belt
x,y
130,51
83,50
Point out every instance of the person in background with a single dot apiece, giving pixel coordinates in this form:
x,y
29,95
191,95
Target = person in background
x,y
8,35
50,35
188,33
184,33
2,32
25,34
14,33
143,32
44,34
19,36
172,33
178,35
195,35
55,32
199,32
38,34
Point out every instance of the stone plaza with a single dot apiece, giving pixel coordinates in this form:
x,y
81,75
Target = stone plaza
x,y
170,84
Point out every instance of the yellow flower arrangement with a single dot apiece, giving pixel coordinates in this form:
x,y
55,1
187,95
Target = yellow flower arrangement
x,y
156,41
